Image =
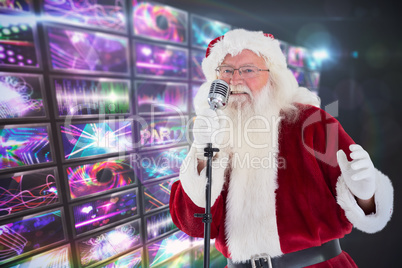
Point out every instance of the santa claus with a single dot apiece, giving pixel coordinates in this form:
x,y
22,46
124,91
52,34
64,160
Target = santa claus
x,y
288,181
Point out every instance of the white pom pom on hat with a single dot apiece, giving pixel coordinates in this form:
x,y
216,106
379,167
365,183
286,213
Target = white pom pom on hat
x,y
235,41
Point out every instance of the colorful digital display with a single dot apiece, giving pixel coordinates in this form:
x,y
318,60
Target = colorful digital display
x,y
59,257
104,211
30,233
174,249
16,5
17,41
159,224
204,30
160,164
94,178
310,62
91,96
133,260
90,139
159,22
84,51
312,80
161,61
108,244
22,96
163,131
29,190
197,57
296,56
24,145
299,75
157,195
155,98
108,15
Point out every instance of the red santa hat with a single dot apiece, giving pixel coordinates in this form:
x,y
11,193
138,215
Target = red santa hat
x,y
235,41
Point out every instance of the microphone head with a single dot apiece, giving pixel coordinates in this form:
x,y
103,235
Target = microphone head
x,y
218,96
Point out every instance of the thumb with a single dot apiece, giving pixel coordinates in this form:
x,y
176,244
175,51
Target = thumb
x,y
342,160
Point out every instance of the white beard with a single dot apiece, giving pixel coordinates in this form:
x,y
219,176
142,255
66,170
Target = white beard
x,y
251,217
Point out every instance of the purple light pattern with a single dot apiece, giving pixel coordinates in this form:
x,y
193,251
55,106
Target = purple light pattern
x,y
159,22
101,212
95,13
21,96
81,140
17,5
158,60
196,70
296,56
29,234
27,191
157,195
23,146
109,244
86,97
17,44
83,180
163,131
163,98
87,51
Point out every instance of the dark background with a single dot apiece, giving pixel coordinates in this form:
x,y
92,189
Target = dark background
x,y
368,87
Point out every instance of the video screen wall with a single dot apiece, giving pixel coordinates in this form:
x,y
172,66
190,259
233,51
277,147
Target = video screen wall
x,y
96,106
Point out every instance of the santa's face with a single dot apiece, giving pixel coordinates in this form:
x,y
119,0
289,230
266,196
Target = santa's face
x,y
238,84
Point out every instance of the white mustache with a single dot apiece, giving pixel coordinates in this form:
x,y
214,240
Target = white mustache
x,y
239,89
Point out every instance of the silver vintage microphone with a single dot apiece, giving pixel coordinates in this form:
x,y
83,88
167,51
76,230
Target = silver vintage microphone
x,y
218,96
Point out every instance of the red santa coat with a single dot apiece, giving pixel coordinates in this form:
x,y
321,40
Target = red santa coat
x,y
311,201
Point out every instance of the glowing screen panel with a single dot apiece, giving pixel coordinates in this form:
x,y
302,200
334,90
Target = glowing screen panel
x,y
16,5
196,70
86,97
163,131
299,75
89,139
159,224
296,56
173,248
104,211
161,97
157,195
161,164
24,145
108,15
133,260
84,51
204,30
58,257
29,190
99,177
30,233
162,61
159,22
22,96
109,243
17,41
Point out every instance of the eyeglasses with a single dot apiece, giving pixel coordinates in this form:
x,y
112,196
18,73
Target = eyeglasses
x,y
244,72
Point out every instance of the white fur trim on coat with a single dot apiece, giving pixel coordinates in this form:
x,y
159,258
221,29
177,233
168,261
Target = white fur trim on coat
x,y
237,40
194,184
383,197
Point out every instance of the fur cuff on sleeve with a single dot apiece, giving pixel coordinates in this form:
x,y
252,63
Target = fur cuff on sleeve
x,y
194,184
383,197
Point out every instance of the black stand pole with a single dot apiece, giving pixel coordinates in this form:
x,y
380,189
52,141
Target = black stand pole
x,y
207,217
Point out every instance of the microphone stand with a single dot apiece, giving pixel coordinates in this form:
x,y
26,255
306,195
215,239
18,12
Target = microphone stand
x,y
207,216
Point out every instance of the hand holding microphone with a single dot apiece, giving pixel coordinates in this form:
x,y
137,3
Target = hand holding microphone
x,y
207,121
